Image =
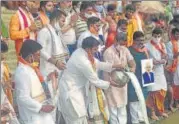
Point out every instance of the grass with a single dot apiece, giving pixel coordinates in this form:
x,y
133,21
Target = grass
x,y
11,58
172,119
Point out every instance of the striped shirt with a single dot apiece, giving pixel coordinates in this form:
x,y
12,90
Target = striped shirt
x,y
80,27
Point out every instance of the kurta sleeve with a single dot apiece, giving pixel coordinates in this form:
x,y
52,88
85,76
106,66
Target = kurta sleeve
x,y
128,55
22,82
42,39
169,49
14,28
104,66
107,58
86,68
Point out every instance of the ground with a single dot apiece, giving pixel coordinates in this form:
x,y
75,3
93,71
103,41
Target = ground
x,y
172,119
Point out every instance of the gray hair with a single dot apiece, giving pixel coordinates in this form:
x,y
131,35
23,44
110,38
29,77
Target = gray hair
x,y
121,36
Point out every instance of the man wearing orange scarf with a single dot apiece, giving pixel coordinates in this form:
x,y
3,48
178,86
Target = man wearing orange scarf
x,y
22,26
31,97
157,91
46,8
94,24
173,67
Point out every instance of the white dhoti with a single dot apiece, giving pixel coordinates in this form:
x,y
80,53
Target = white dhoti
x,y
71,112
43,118
137,109
118,115
53,100
81,120
136,112
69,118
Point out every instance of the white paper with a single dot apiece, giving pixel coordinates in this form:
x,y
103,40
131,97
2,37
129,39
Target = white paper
x,y
147,72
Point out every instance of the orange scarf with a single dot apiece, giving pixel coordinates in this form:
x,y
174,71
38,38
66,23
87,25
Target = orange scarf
x,y
160,49
35,69
173,67
44,18
144,50
98,91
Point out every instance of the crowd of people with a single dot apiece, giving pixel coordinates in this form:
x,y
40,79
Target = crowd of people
x,y
69,57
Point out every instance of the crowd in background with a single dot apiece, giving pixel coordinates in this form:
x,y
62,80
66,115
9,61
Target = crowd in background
x,y
67,53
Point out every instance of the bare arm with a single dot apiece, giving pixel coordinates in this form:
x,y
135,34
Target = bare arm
x,y
132,65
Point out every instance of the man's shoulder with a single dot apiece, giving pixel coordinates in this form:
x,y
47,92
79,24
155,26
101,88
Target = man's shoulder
x,y
151,73
145,73
21,70
84,35
124,48
44,30
79,55
109,50
168,43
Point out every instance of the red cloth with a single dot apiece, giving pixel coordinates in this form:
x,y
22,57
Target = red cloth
x,y
155,101
110,39
175,92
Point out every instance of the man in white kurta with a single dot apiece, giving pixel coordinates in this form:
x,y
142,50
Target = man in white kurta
x,y
159,77
74,85
53,53
50,38
93,31
157,91
117,97
29,92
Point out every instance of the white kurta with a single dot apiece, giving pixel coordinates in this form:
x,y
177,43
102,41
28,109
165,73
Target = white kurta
x,y
52,45
117,97
83,36
169,48
69,36
159,76
73,85
27,85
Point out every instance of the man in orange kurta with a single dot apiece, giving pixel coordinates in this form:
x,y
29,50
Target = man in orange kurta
x,y
46,8
22,26
132,24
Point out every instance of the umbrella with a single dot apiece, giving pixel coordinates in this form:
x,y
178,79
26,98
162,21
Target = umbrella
x,y
151,7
